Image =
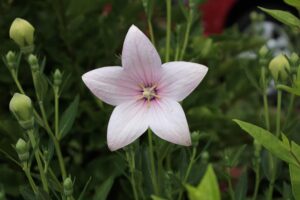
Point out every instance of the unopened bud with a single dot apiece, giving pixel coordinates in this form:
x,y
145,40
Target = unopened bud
x,y
68,187
205,156
57,77
33,62
294,58
195,138
20,105
22,32
22,149
279,67
263,51
11,60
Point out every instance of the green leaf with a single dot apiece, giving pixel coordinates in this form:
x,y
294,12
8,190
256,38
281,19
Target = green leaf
x,y
104,189
295,91
269,141
242,186
284,17
294,3
208,189
154,197
81,196
295,180
68,118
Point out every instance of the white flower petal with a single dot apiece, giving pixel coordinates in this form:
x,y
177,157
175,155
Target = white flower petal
x,y
179,79
111,84
127,122
140,58
167,120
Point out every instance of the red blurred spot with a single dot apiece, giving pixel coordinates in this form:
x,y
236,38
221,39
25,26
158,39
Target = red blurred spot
x,y
214,15
107,8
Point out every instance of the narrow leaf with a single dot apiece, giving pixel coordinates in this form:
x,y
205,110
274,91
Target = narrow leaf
x,y
269,141
295,91
294,3
81,196
284,17
104,189
295,180
68,118
208,189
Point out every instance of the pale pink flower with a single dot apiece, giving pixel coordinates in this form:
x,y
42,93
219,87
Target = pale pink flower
x,y
145,93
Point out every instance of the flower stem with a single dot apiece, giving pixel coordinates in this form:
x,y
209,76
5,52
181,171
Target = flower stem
x,y
131,163
38,160
231,192
257,182
55,142
187,173
153,171
278,113
168,32
187,34
151,31
56,111
29,177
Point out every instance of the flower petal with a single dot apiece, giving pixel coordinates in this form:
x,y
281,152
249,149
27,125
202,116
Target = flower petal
x,y
111,84
167,120
179,79
127,122
140,58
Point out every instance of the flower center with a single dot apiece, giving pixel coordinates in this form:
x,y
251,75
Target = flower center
x,y
149,93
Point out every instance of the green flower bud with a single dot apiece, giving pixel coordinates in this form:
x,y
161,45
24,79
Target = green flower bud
x,y
253,16
11,60
68,187
279,66
33,62
195,138
22,32
294,58
57,77
263,51
22,149
20,105
205,156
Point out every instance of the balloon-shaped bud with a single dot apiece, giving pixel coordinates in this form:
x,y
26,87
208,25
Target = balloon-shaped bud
x,y
22,32
20,105
11,60
22,149
263,51
33,62
57,77
68,187
279,67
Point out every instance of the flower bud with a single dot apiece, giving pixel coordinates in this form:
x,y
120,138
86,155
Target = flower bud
x,y
294,58
22,149
205,156
20,105
68,187
11,60
22,32
195,138
33,62
57,77
279,66
263,51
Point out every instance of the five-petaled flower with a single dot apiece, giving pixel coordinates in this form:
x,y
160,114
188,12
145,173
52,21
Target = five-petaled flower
x,y
145,93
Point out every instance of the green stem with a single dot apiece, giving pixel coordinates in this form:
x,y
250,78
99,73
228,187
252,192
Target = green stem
x,y
153,171
278,113
38,160
151,31
55,142
291,107
168,32
188,171
186,35
266,111
29,177
56,108
257,181
131,163
231,192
